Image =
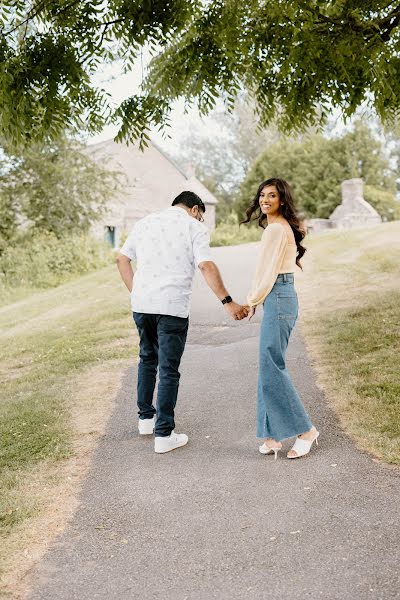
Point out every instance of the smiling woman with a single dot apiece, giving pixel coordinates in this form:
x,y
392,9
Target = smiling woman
x,y
274,197
280,412
269,199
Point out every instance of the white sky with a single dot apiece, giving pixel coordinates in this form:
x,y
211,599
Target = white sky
x,y
120,86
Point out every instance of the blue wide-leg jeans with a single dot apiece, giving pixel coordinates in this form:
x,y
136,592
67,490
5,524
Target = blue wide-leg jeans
x,y
162,342
280,412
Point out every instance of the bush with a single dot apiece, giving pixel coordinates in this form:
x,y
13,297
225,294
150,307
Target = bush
x,y
384,202
229,233
43,261
316,166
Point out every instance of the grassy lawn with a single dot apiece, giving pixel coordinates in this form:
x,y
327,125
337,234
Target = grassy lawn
x,y
49,341
350,299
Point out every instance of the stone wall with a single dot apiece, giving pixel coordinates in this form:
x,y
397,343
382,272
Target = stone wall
x,y
353,212
318,225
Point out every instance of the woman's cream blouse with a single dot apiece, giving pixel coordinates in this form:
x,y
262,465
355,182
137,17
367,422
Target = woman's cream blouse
x,y
277,255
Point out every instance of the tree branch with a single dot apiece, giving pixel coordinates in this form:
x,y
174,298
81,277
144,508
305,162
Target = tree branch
x,y
30,16
384,25
392,20
388,17
120,20
106,25
26,21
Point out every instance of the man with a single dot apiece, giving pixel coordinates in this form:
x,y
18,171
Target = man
x,y
167,246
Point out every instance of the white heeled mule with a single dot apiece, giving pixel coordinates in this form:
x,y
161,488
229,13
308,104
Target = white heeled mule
x,y
303,447
264,449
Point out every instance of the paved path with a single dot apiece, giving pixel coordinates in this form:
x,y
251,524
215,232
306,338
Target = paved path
x,y
217,519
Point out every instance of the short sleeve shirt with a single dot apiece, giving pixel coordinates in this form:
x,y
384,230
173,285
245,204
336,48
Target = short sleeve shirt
x,y
167,247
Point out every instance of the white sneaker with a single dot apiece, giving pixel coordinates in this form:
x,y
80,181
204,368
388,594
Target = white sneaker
x,y
146,426
166,444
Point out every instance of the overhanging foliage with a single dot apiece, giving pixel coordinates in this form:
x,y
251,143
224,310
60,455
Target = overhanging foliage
x,y
297,58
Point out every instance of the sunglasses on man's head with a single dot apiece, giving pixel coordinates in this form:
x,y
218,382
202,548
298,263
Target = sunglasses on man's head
x,y
200,215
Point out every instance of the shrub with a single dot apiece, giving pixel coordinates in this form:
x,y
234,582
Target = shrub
x,y
59,187
384,202
43,261
316,166
229,233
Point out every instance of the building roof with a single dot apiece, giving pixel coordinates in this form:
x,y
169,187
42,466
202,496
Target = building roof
x,y
152,161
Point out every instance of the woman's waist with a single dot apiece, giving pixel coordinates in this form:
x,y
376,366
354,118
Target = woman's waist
x,y
285,278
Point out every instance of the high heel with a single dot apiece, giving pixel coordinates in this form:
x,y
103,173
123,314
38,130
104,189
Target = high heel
x,y
264,449
303,447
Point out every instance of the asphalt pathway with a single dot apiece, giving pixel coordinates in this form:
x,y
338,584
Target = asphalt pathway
x,y
216,519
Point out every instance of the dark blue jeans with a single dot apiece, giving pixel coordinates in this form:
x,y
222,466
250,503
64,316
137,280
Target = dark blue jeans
x,y
162,342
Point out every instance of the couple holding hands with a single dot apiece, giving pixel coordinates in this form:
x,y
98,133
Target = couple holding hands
x,y
167,247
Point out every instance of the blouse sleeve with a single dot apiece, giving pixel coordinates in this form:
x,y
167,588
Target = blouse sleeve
x,y
273,246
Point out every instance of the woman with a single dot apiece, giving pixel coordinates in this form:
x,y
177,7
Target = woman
x,y
280,412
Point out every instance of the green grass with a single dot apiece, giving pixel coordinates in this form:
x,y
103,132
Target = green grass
x,y
362,347
47,340
352,319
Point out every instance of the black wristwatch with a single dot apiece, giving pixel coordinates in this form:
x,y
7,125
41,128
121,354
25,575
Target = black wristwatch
x,y
226,300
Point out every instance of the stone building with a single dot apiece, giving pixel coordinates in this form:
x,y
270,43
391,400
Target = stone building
x,y
353,212
150,181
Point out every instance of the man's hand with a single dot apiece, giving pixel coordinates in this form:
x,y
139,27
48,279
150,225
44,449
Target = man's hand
x,y
214,281
236,311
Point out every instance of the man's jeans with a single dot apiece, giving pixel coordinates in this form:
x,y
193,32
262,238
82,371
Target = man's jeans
x,y
162,342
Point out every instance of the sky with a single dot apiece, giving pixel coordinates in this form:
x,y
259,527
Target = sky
x,y
120,86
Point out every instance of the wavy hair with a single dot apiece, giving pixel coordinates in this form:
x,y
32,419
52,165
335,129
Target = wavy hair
x,y
287,210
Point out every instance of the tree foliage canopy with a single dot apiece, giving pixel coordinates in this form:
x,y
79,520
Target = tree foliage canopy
x,y
54,188
222,160
298,58
316,168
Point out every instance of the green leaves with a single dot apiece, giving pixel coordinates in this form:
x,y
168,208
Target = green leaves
x,y
316,168
56,188
49,52
297,58
134,116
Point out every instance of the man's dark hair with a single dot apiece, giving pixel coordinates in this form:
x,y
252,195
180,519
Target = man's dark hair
x,y
189,199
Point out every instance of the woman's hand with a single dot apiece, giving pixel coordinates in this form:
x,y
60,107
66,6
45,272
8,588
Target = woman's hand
x,y
251,311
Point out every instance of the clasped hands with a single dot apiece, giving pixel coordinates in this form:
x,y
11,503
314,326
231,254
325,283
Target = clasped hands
x,y
239,311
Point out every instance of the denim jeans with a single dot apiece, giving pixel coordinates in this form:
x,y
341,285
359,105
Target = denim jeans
x,y
280,412
162,342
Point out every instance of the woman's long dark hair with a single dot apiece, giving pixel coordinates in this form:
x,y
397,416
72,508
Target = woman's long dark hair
x,y
288,211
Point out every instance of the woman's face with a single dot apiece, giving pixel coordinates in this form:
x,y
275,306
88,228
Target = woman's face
x,y
269,200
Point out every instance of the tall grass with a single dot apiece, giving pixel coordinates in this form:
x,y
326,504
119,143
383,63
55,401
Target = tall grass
x,y
43,261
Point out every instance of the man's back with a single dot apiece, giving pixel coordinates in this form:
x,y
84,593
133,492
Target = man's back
x,y
167,246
